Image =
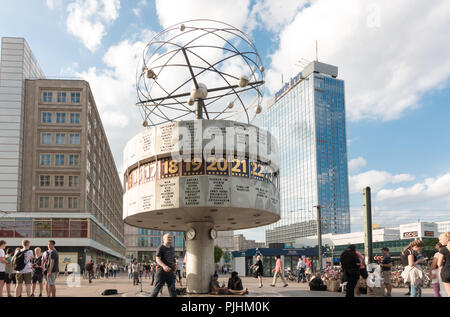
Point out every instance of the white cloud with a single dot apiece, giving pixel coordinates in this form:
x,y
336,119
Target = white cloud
x,y
432,189
53,3
390,53
113,88
376,180
88,19
356,164
273,15
172,11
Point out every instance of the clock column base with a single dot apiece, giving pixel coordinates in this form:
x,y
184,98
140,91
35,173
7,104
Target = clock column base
x,y
199,259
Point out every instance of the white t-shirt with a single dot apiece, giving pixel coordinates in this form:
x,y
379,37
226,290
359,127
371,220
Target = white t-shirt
x,y
435,272
2,265
28,256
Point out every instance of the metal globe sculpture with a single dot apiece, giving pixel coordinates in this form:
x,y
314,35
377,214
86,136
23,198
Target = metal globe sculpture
x,y
197,69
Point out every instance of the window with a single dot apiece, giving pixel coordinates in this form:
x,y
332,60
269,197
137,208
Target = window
x,y
46,138
60,227
44,180
59,159
59,181
74,138
73,202
47,96
58,202
46,117
73,181
61,96
45,159
60,138
60,117
44,202
74,159
75,97
74,118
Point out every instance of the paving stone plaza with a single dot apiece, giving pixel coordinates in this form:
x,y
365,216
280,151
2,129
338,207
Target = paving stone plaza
x,y
125,288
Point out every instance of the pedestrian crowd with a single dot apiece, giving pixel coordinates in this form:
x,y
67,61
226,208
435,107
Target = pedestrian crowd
x,y
30,267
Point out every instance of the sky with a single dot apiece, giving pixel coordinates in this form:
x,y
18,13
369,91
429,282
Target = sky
x,y
393,55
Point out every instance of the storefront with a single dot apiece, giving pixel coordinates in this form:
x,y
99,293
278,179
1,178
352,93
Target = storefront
x,y
242,260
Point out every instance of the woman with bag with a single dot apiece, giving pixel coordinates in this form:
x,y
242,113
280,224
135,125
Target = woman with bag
x,y
444,261
258,270
412,273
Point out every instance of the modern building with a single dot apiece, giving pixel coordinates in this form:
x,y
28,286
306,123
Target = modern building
x,y
17,63
240,243
308,118
142,243
443,226
70,190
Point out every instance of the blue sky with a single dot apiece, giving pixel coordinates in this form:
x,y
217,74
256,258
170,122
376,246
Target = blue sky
x,y
394,57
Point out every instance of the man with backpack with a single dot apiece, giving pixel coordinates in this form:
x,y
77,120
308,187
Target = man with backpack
x,y
23,265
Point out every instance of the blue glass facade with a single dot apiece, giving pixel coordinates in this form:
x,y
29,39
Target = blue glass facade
x,y
308,120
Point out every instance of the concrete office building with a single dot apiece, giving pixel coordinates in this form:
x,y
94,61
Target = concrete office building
x,y
70,190
308,118
142,243
241,243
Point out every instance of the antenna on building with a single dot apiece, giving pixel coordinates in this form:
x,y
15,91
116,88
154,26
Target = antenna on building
x,y
317,51
282,79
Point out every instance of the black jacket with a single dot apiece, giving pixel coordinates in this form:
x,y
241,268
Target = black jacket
x,y
349,260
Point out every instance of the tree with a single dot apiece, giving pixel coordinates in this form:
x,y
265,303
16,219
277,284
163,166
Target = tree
x,y
218,252
227,256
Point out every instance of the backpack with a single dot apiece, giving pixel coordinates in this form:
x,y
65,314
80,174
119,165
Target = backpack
x,y
19,260
107,292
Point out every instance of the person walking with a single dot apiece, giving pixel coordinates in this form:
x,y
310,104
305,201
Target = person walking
x,y
412,274
46,262
278,273
179,264
165,257
362,272
3,264
53,268
135,271
102,269
444,261
386,269
23,265
435,272
301,267
38,272
9,271
115,269
90,270
258,270
350,263
152,271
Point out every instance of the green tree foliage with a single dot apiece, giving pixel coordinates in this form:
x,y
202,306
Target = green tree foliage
x,y
227,256
218,252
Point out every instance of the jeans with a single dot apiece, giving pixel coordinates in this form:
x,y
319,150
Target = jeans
x,y
153,276
301,275
162,278
437,290
416,291
114,273
352,279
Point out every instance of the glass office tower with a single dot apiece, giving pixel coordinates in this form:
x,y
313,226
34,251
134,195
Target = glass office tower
x,y
308,117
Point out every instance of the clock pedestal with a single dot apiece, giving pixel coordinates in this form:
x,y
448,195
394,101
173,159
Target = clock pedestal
x,y
199,258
